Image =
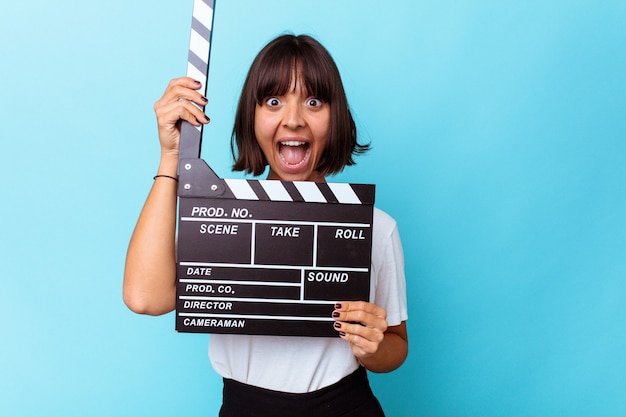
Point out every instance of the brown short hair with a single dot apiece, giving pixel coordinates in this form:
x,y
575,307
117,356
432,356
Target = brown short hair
x,y
271,74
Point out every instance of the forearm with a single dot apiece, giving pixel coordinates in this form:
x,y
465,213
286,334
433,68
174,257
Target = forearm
x,y
150,271
391,353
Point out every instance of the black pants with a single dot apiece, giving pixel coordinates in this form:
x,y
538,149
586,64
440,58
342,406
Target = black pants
x,y
350,397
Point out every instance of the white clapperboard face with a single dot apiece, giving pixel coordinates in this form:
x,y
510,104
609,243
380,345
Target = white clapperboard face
x,y
269,257
263,257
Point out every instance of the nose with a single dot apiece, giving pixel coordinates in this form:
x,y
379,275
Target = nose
x,y
293,117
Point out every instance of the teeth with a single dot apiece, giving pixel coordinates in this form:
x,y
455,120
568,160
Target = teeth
x,y
292,143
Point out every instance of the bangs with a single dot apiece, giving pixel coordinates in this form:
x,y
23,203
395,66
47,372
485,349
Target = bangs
x,y
290,66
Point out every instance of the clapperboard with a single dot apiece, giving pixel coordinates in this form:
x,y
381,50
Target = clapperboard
x,y
263,257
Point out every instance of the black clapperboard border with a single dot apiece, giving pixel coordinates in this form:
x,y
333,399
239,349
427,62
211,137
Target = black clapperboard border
x,y
313,206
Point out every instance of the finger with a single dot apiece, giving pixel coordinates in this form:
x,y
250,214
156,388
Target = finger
x,y
360,305
180,93
191,111
183,88
359,320
371,334
185,82
356,310
169,114
361,346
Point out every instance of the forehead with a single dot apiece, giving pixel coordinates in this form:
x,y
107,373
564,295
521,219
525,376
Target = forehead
x,y
292,73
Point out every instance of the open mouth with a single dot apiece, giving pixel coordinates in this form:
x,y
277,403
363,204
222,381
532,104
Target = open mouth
x,y
294,153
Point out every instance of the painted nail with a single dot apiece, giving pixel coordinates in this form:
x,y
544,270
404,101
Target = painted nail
x,y
337,325
342,334
338,306
336,314
205,100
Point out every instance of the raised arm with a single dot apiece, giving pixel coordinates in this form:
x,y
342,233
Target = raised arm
x,y
150,271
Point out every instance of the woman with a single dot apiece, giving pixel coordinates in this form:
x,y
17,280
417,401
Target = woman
x,y
293,115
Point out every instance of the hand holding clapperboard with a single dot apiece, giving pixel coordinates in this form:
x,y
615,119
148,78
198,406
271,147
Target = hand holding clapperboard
x,y
263,256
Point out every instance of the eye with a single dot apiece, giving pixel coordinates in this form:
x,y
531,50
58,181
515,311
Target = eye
x,y
272,102
314,102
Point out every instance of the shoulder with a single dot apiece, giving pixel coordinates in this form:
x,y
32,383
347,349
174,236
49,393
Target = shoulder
x,y
385,233
384,224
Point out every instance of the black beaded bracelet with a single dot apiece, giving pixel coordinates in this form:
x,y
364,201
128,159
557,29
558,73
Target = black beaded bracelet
x,y
166,176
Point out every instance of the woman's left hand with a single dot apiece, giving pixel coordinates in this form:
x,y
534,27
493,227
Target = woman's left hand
x,y
362,324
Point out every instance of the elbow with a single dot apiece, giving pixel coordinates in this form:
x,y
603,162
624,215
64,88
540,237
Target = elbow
x,y
142,304
136,304
394,362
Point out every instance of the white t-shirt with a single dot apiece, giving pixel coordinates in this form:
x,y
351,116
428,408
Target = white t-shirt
x,y
305,364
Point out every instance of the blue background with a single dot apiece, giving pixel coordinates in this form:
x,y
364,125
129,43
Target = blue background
x,y
499,134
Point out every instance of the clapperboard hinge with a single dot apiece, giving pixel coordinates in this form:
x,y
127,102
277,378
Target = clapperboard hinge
x,y
197,179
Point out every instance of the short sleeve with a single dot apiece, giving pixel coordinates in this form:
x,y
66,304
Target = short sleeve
x,y
388,282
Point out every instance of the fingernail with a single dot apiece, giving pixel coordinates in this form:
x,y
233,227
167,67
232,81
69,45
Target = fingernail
x,y
207,118
335,314
196,82
342,334
204,99
337,325
338,306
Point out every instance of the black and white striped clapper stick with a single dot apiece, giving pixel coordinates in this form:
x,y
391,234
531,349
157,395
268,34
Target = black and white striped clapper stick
x,y
263,256
198,69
